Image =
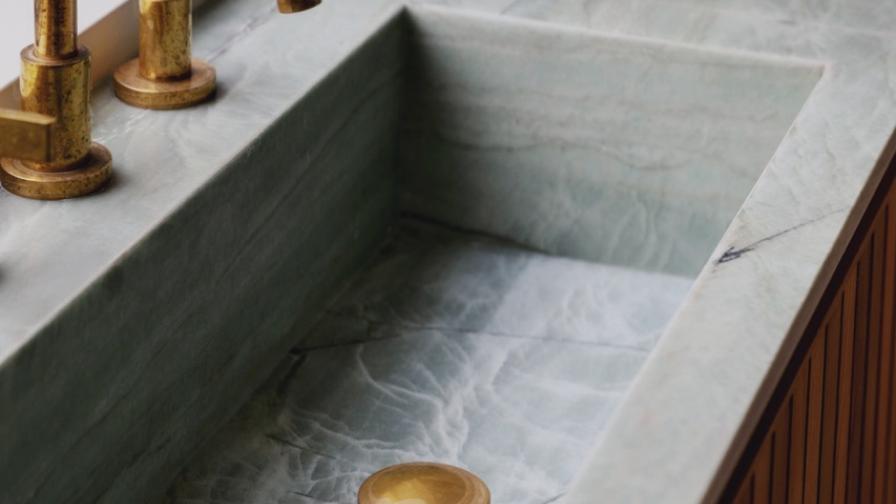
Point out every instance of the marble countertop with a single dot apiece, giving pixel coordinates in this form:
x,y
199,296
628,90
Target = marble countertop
x,y
722,353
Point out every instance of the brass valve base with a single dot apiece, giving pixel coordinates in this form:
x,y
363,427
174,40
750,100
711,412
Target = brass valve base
x,y
135,89
85,177
423,483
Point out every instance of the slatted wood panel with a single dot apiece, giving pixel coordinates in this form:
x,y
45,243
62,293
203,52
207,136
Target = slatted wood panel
x,y
829,433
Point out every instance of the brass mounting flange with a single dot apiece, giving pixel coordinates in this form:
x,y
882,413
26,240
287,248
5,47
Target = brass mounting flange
x,y
165,76
134,89
83,178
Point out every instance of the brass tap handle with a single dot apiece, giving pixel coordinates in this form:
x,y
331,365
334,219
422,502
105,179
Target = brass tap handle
x,y
46,148
165,75
25,135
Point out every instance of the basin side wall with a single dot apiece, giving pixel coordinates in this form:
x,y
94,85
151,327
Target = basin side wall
x,y
136,373
614,150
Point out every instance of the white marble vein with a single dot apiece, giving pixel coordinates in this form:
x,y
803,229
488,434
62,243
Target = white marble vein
x,y
449,347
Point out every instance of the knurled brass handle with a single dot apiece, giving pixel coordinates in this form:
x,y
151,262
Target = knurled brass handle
x,y
423,483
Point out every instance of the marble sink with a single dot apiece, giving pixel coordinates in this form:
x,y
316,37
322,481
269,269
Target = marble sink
x,y
425,234
524,209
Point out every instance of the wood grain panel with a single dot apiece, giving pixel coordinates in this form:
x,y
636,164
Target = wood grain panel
x,y
844,401
762,477
885,378
872,363
813,420
859,373
828,434
889,482
798,419
745,495
781,456
833,346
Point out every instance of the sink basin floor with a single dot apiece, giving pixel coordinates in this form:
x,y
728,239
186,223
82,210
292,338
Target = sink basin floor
x,y
451,347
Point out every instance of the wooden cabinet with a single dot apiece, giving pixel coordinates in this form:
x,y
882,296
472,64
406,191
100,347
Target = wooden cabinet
x,y
828,434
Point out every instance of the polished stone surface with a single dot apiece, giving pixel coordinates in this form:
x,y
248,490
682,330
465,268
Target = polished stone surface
x,y
105,359
134,321
453,348
622,151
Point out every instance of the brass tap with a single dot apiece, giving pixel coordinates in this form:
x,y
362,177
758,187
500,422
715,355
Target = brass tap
x,y
46,148
165,75
292,6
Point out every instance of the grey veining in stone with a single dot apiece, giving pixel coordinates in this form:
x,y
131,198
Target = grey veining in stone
x,y
474,286
438,342
191,313
450,347
665,139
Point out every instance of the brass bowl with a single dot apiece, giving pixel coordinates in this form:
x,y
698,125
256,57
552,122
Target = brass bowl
x,y
423,483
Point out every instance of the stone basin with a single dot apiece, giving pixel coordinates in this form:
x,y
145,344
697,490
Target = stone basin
x,y
502,221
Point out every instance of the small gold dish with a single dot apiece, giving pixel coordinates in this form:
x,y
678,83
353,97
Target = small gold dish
x,y
423,483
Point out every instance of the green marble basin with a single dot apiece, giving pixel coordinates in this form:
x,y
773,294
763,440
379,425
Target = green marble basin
x,y
448,237
547,201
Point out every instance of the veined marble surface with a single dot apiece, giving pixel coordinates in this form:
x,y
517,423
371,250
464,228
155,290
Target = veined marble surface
x,y
135,321
676,429
644,169
450,347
